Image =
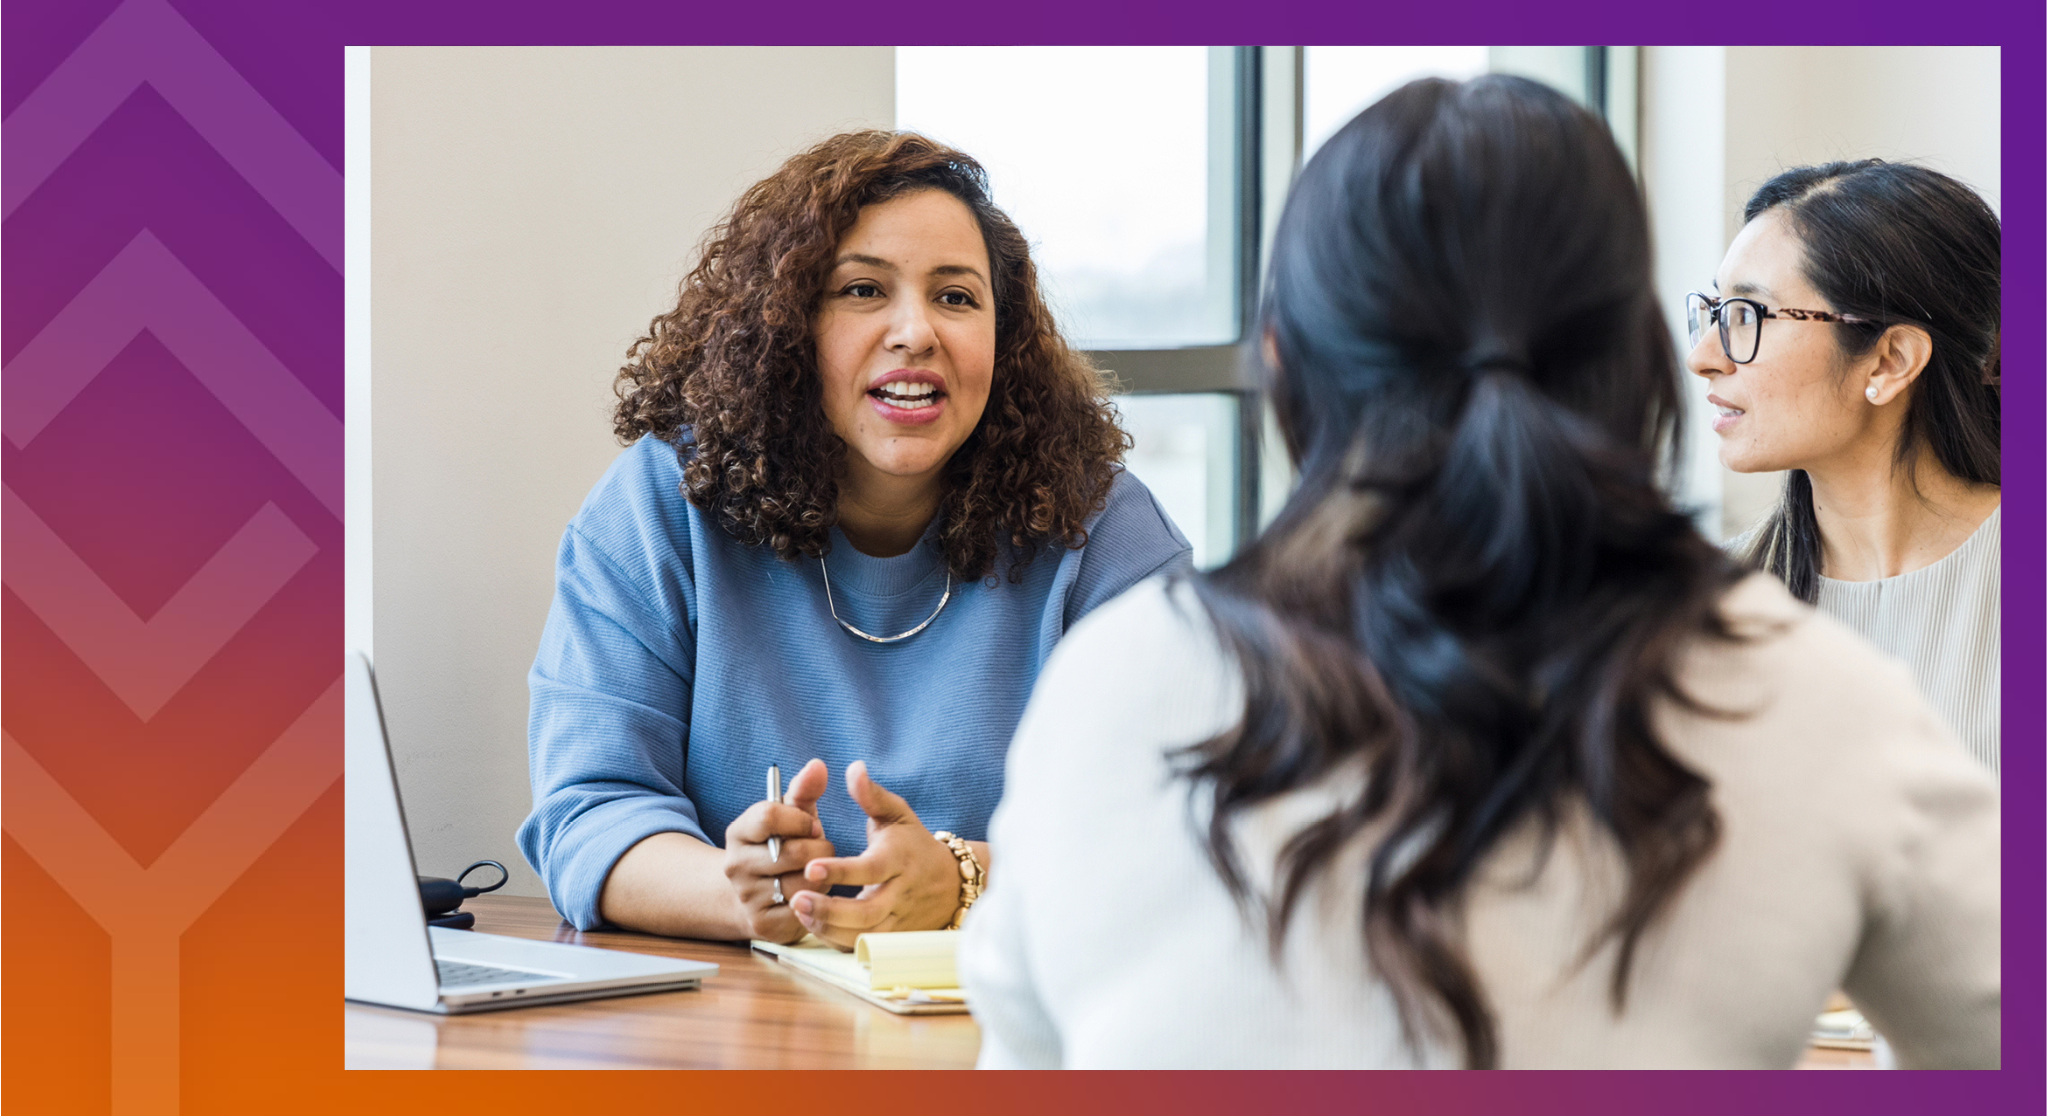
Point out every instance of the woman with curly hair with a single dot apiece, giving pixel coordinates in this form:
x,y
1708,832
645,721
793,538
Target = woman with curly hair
x,y
868,488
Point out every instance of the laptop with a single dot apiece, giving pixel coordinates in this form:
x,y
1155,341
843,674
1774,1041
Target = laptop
x,y
396,959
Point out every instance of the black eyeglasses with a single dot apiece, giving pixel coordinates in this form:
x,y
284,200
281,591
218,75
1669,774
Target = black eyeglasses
x,y
1742,322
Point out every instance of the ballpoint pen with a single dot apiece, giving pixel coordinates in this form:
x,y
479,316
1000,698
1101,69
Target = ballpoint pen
x,y
774,798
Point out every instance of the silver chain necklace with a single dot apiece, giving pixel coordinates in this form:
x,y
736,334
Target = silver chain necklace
x,y
884,639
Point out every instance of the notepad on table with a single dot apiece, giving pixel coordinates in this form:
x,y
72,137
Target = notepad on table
x,y
910,972
1845,1029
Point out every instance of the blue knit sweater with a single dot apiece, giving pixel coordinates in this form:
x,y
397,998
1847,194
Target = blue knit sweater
x,y
678,664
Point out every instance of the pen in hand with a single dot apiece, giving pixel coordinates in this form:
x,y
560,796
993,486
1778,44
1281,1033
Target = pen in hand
x,y
774,799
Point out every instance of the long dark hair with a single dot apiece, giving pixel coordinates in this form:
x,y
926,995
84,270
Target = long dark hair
x,y
730,374
1477,590
1895,243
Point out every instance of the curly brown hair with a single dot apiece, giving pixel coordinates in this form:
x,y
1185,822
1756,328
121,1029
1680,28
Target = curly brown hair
x,y
729,377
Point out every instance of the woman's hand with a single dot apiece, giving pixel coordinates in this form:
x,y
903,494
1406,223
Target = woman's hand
x,y
753,873
908,881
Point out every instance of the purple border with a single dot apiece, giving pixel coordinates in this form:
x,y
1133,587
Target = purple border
x,y
289,53
2025,299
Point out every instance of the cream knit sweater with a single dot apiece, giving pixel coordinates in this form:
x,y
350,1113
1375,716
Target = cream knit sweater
x,y
1860,850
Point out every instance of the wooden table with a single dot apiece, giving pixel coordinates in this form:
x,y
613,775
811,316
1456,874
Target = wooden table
x,y
1826,1058
753,1014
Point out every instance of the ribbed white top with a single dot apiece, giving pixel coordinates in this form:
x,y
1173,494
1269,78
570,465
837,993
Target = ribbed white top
x,y
1942,622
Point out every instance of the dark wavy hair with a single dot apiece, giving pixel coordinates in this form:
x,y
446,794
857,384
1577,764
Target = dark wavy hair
x,y
1895,244
1478,592
730,375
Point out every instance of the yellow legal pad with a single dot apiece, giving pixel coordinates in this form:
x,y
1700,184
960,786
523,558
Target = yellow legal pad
x,y
910,972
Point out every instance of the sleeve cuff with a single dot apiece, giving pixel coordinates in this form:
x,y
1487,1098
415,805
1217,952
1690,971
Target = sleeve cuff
x,y
584,858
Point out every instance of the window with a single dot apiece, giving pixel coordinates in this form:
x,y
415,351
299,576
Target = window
x,y
1148,180
1119,208
1337,82
1142,223
1184,449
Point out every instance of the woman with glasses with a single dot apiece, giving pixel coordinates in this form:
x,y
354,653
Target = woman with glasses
x,y
1480,755
1854,342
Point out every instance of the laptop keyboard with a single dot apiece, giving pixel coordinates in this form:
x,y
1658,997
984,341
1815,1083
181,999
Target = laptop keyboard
x,y
454,974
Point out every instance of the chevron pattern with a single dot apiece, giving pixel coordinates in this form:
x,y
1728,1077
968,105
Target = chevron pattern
x,y
157,650
146,288
148,41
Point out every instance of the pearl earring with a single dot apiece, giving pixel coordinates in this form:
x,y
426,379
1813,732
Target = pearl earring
x,y
1870,393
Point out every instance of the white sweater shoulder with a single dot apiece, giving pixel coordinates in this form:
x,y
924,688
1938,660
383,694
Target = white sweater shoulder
x,y
1856,838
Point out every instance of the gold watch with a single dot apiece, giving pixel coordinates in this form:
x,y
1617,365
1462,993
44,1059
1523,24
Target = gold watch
x,y
973,877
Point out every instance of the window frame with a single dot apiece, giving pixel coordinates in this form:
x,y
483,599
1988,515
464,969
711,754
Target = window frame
x,y
1223,368
1266,97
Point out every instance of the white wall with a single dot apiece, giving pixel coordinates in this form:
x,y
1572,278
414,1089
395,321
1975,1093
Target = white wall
x,y
1781,107
531,210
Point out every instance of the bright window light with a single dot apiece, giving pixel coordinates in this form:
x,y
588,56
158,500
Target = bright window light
x,y
1340,81
1101,156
